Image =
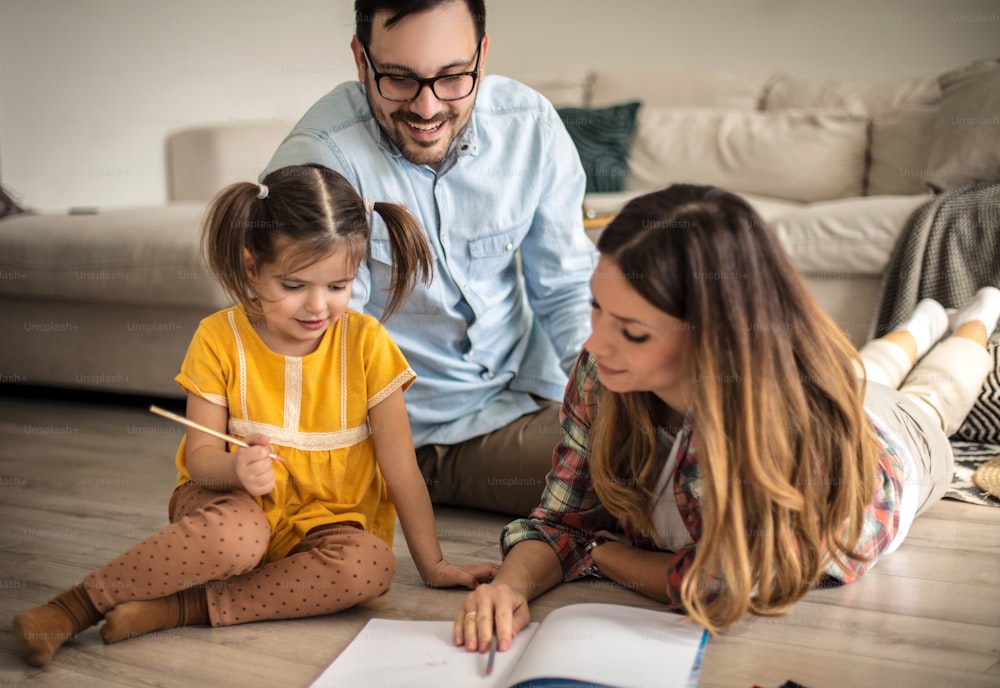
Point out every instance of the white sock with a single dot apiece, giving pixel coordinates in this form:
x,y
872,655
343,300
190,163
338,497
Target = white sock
x,y
927,323
984,306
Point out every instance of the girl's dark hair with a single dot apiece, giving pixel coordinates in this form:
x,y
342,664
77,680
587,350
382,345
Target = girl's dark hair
x,y
318,211
786,455
364,14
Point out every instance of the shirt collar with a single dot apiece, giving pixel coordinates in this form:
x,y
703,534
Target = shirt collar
x,y
467,143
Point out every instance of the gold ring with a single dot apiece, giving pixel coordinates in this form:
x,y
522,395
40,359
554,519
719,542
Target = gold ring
x,y
471,614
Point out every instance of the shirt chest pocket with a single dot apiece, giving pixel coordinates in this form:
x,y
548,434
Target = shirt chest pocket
x,y
425,299
493,256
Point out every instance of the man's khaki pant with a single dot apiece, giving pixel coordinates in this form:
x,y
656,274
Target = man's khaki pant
x,y
503,470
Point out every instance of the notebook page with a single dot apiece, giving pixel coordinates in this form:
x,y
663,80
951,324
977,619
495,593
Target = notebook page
x,y
613,645
390,653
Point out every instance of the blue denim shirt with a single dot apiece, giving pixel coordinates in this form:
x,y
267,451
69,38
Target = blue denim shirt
x,y
490,330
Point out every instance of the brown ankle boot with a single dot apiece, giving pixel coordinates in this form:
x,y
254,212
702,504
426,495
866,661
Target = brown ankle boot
x,y
42,630
131,619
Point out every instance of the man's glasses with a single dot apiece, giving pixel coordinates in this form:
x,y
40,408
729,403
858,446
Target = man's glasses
x,y
403,89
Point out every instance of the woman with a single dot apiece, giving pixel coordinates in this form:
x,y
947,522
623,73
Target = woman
x,y
717,420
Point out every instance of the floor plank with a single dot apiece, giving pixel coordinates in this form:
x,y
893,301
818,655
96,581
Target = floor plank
x,y
81,481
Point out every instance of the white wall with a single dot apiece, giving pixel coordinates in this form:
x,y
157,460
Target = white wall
x,y
90,88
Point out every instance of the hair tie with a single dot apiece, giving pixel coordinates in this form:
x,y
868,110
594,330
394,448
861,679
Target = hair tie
x,y
369,205
262,194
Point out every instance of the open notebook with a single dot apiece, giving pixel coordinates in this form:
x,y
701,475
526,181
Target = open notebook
x,y
593,645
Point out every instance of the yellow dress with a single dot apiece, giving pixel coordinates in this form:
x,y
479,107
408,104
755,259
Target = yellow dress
x,y
315,410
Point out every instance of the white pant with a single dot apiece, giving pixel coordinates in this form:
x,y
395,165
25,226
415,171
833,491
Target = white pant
x,y
923,405
945,383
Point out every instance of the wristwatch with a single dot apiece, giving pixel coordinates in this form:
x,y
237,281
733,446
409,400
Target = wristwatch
x,y
595,542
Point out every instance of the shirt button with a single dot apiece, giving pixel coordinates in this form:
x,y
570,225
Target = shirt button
x,y
509,246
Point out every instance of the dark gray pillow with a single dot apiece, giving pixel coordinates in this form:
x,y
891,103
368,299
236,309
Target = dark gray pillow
x,y
966,143
603,138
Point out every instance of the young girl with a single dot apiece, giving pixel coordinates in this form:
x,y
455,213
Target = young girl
x,y
303,380
717,417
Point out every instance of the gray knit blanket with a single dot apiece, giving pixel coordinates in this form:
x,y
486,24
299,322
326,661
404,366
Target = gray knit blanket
x,y
949,249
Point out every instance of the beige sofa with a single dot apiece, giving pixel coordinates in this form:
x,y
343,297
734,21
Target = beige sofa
x,y
836,167
110,301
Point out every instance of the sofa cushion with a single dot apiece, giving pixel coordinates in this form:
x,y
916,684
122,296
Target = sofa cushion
x,y
966,146
795,154
201,161
770,208
857,97
844,237
603,138
145,256
678,87
562,90
900,147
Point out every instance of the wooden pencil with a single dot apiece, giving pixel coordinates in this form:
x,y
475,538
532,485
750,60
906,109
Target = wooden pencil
x,y
209,431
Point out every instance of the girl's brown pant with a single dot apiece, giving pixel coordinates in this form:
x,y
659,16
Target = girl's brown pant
x,y
216,541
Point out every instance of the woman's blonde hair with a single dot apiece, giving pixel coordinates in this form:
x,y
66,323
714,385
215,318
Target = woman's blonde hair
x,y
319,211
786,455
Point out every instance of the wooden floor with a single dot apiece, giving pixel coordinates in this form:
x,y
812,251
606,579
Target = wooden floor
x,y
83,480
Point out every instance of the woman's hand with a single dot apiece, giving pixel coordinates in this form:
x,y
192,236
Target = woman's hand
x,y
447,575
491,608
253,465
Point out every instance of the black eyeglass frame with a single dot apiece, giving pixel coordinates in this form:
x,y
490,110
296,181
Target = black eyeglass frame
x,y
421,82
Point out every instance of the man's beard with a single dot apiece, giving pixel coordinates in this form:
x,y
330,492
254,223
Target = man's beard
x,y
417,152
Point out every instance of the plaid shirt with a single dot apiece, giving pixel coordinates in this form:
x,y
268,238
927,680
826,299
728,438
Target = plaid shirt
x,y
569,513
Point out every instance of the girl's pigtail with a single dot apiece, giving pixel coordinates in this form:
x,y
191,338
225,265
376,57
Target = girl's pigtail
x,y
232,213
411,254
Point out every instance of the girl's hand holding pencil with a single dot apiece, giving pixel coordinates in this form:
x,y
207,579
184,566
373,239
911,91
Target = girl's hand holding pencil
x,y
254,465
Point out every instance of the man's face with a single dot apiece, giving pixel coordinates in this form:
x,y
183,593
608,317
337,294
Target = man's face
x,y
427,44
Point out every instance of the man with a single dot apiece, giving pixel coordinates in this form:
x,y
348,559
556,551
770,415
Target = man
x,y
487,167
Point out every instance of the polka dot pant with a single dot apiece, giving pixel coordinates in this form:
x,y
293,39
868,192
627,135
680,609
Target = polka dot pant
x,y
216,540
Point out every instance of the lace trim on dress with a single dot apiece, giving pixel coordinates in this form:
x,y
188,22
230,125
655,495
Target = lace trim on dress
x,y
396,383
305,441
216,399
243,362
343,370
293,393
